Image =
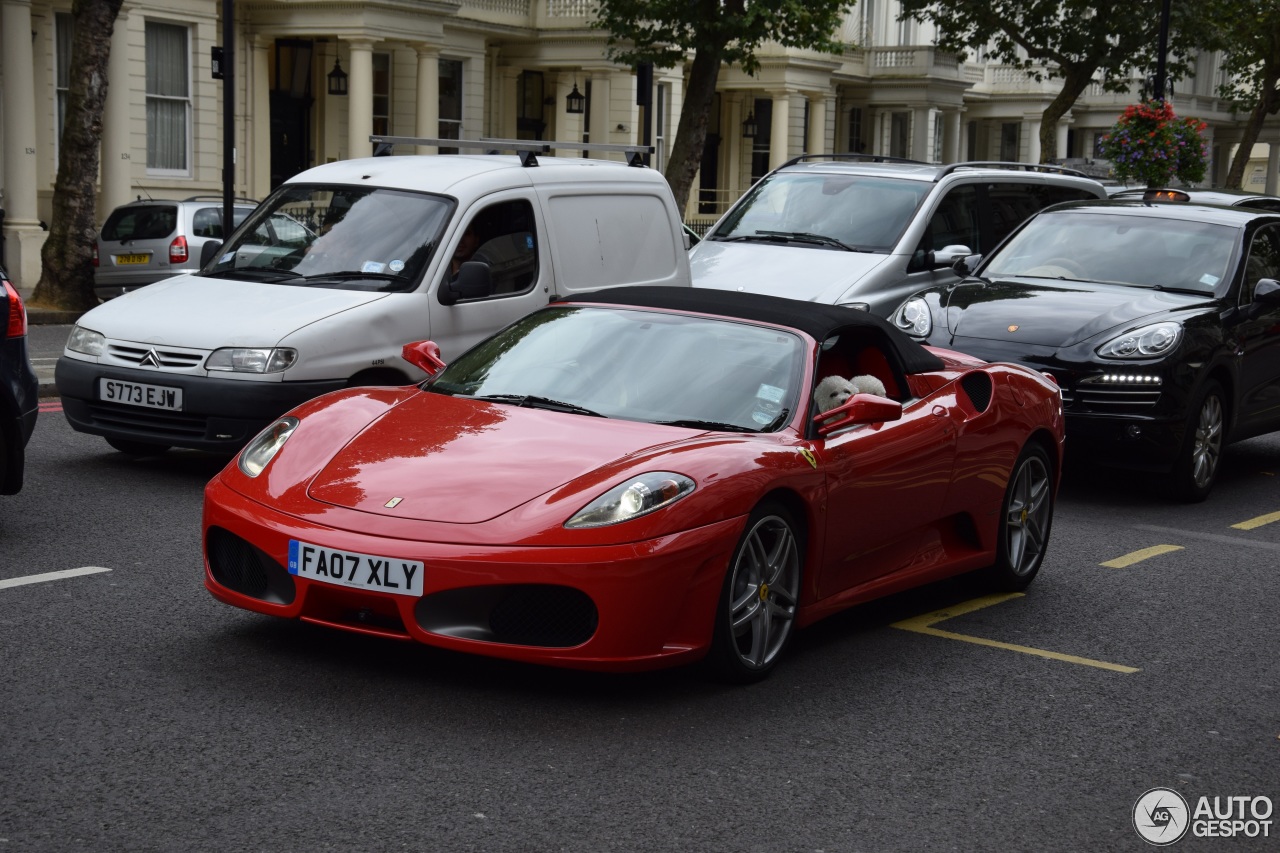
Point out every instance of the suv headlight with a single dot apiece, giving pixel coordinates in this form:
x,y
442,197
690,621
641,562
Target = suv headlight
x,y
252,359
86,341
634,498
914,318
1144,342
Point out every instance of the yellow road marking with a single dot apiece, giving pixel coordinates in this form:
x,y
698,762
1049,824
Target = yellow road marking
x,y
1257,522
1138,556
924,625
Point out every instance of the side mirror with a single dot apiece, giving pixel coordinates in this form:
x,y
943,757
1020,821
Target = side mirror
x,y
209,251
967,265
424,355
1267,290
859,409
948,255
474,281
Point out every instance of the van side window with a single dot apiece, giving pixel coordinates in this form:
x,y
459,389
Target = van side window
x,y
955,222
1012,204
504,236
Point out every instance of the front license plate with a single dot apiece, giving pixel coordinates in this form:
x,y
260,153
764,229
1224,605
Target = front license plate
x,y
362,571
139,394
132,259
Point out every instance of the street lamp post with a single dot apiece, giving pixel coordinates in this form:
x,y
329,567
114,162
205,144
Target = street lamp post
x,y
1162,47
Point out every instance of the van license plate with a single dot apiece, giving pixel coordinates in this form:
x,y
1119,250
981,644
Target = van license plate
x,y
133,259
138,394
362,571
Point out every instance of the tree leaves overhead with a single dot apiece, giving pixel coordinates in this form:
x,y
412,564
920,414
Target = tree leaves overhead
x,y
665,31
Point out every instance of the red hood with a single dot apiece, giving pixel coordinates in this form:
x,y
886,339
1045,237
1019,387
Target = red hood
x,y
461,461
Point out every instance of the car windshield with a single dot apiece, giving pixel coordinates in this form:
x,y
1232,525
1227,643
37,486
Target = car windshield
x,y
637,365
849,211
1138,251
355,238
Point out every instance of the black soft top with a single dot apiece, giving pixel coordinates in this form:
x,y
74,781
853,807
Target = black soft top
x,y
819,320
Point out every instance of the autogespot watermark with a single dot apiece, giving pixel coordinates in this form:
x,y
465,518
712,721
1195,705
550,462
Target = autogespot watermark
x,y
1162,816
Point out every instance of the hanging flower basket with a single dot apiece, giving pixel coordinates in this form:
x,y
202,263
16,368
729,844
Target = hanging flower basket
x,y
1152,146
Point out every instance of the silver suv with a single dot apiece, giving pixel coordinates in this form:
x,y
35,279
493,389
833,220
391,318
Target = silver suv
x,y
869,231
151,239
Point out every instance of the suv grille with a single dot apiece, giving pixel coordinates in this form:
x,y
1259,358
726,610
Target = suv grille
x,y
135,355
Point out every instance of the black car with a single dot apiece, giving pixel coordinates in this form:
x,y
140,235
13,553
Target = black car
x,y
19,390
1160,323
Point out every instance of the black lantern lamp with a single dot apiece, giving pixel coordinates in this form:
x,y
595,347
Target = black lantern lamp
x,y
749,126
575,102
337,79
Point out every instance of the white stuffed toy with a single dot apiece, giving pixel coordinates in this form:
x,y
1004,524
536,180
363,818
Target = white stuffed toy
x,y
836,390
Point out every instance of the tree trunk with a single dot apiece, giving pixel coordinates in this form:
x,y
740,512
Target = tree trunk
x,y
66,279
1074,82
1268,102
691,135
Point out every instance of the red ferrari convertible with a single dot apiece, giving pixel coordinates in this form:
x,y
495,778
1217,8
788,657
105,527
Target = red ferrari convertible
x,y
639,478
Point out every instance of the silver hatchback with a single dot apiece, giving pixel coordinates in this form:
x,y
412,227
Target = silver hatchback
x,y
152,239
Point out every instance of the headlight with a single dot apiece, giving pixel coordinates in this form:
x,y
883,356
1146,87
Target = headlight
x,y
86,341
252,359
914,318
1145,342
264,448
634,498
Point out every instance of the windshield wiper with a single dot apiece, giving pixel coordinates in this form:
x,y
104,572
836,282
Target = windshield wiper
x,y
255,274
350,275
717,426
804,237
532,401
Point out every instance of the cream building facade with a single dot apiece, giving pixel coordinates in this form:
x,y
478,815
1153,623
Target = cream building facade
x,y
504,69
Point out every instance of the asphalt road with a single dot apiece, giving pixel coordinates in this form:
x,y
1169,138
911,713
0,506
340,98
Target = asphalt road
x,y
139,714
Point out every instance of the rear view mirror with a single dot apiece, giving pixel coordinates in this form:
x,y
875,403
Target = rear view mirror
x,y
474,281
859,409
209,251
424,355
967,265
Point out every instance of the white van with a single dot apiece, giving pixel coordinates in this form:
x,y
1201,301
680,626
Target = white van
x,y
386,250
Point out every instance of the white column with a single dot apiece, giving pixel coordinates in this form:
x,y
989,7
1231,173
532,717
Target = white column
x,y
954,128
428,95
22,233
360,99
259,170
600,109
1061,143
921,133
817,142
1031,127
780,129
1273,166
738,148
509,79
117,152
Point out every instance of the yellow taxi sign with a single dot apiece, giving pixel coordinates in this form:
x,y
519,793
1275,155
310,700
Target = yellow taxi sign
x,y
1165,195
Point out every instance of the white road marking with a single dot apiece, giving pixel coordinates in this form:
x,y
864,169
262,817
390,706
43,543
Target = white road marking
x,y
53,576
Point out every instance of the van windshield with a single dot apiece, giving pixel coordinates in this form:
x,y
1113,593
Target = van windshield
x,y
863,213
354,238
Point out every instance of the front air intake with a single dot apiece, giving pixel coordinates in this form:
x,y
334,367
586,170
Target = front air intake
x,y
243,568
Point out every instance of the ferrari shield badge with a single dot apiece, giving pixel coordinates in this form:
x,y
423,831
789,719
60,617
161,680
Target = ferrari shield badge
x,y
809,457
394,502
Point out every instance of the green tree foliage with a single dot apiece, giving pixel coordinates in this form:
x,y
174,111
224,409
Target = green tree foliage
x,y
712,33
1078,41
1248,32
66,277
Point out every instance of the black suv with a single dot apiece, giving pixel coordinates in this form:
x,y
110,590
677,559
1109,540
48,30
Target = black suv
x,y
19,390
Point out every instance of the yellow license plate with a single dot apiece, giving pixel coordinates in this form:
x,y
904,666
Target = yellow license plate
x,y
133,259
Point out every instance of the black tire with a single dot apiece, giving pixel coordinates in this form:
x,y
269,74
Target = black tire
x,y
758,599
136,448
1200,455
1026,517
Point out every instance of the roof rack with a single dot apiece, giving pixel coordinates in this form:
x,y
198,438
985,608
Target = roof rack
x,y
219,198
1017,167
527,149
866,158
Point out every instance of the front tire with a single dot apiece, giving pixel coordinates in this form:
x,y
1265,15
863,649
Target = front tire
x,y
1201,453
758,601
1025,520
